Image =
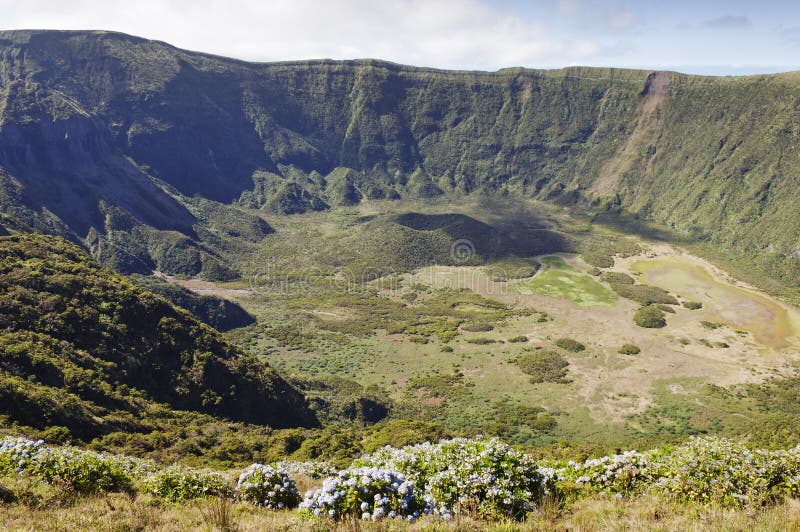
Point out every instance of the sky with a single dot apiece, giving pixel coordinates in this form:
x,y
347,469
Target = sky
x,y
731,37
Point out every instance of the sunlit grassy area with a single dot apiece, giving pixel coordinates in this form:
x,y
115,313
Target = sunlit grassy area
x,y
119,512
561,280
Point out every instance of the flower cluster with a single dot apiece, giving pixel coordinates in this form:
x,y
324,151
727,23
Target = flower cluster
x,y
16,453
483,476
703,470
313,470
82,471
720,470
177,483
619,473
267,486
367,492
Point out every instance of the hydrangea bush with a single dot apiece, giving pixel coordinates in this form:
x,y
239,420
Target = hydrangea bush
x,y
618,473
483,476
368,493
314,470
16,453
177,483
719,470
478,476
82,471
268,486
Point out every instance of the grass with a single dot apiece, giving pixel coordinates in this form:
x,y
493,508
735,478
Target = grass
x,y
563,281
645,512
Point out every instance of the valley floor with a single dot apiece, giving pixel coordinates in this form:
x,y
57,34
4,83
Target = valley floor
x,y
408,333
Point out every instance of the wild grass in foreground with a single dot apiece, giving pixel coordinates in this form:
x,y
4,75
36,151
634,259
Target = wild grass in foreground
x,y
598,512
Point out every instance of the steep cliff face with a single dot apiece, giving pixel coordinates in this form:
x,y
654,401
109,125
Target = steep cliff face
x,y
714,157
62,159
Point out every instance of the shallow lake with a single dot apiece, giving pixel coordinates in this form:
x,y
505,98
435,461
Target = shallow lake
x,y
767,320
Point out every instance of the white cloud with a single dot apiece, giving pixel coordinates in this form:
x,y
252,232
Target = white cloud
x,y
622,18
442,33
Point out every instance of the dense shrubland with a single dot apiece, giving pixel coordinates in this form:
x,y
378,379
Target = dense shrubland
x,y
482,479
87,350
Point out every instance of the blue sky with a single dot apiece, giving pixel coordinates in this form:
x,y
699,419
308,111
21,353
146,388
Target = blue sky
x,y
707,37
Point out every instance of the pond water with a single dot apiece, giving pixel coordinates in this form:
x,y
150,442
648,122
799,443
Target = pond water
x,y
768,321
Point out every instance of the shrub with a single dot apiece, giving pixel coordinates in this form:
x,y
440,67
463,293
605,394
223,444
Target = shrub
x,y
644,294
311,469
177,483
447,349
268,486
481,341
599,260
616,278
478,327
620,473
544,366
402,432
517,339
711,325
629,349
512,269
693,305
82,471
717,470
7,496
16,453
568,344
650,317
368,492
594,270
479,476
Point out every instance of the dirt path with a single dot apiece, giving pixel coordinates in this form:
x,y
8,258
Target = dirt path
x,y
207,287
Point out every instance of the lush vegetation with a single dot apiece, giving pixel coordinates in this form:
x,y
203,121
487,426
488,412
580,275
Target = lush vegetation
x,y
91,352
330,207
479,479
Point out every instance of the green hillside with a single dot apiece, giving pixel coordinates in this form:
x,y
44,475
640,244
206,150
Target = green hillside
x,y
88,350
